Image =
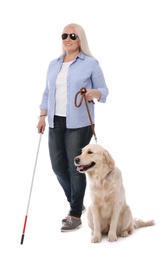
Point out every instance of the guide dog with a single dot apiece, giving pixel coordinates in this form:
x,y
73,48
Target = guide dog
x,y
108,212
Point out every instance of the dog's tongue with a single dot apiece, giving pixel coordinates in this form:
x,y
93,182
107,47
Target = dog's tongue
x,y
79,168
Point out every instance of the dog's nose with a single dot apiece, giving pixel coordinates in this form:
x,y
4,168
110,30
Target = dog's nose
x,y
77,160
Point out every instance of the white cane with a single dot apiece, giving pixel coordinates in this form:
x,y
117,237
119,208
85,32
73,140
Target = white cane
x,y
25,221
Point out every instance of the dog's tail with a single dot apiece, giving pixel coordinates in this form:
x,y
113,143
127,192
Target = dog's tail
x,y
138,223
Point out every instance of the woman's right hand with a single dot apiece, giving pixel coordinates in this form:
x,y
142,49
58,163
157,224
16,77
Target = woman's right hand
x,y
41,125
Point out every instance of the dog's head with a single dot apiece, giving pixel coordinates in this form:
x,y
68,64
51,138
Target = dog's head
x,y
94,158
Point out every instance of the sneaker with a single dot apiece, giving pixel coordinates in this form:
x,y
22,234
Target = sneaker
x,y
65,219
71,224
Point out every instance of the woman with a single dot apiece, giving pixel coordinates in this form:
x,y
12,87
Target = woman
x,y
69,127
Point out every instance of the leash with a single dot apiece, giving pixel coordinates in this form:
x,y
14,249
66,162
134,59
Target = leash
x,y
82,92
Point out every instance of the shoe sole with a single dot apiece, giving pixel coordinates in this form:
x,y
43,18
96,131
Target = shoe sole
x,y
70,230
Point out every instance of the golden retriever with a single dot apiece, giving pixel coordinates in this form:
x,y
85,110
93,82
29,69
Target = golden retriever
x,y
109,212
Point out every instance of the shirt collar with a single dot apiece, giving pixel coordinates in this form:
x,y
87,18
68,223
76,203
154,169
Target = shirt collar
x,y
81,55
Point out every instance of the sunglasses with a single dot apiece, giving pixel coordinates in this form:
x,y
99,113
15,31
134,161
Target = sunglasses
x,y
72,36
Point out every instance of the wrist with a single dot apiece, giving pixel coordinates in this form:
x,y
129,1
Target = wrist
x,y
42,116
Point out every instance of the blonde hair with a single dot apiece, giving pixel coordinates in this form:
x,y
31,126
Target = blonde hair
x,y
82,38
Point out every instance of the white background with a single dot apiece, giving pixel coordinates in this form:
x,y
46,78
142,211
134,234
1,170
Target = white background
x,y
128,39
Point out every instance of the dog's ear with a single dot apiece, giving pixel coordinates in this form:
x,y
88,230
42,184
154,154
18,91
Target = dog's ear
x,y
108,160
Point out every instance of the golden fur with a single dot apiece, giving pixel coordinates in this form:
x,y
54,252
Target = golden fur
x,y
109,212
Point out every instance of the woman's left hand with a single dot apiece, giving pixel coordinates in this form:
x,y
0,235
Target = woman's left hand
x,y
92,93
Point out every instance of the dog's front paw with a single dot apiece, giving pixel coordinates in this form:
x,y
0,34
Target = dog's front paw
x,y
96,238
124,233
112,237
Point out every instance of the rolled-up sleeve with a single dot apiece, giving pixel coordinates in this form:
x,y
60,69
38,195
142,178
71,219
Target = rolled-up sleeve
x,y
99,82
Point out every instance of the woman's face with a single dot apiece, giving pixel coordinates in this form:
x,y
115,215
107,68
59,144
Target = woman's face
x,y
70,44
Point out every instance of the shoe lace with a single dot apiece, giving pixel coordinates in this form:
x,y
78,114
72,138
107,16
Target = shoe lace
x,y
70,220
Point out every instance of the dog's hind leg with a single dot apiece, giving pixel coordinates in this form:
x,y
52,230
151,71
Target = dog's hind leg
x,y
126,222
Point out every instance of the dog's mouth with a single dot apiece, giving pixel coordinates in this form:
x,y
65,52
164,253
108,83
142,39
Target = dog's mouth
x,y
84,168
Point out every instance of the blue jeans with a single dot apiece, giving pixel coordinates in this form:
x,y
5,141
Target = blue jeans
x,y
64,145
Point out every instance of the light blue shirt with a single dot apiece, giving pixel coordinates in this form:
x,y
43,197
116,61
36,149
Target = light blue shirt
x,y
86,72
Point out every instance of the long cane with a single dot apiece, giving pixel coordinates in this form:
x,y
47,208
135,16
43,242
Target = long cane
x,y
25,221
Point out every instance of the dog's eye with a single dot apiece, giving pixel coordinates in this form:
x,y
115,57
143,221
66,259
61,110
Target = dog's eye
x,y
90,152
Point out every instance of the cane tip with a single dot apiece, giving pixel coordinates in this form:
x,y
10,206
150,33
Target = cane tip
x,y
22,239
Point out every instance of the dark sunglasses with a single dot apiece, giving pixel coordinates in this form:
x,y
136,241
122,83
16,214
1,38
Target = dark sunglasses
x,y
72,36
